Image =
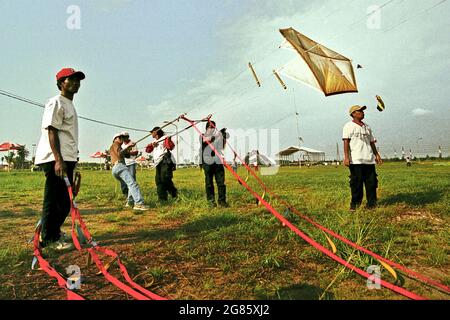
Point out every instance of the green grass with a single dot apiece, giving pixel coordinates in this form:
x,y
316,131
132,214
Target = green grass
x,y
185,250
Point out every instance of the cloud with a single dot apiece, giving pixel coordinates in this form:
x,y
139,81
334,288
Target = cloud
x,y
421,112
228,89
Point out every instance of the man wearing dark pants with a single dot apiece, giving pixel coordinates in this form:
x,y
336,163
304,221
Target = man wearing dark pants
x,y
361,155
164,163
163,178
57,154
56,204
216,171
212,165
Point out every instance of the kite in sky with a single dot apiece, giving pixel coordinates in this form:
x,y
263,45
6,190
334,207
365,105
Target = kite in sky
x,y
317,66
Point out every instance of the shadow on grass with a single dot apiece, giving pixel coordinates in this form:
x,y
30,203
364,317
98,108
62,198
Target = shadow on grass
x,y
26,212
209,223
191,194
190,229
413,199
300,292
89,211
29,212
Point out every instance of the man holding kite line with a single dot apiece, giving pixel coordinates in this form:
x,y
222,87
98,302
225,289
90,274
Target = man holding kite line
x,y
121,172
212,165
164,163
57,154
130,162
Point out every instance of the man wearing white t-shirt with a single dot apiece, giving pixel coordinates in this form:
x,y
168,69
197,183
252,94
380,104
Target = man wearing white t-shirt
x,y
164,164
57,154
212,165
361,155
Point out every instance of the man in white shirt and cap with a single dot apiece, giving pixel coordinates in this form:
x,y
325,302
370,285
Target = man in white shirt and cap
x,y
57,154
361,155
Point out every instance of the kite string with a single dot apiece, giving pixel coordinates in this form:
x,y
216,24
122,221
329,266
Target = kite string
x,y
352,24
26,100
414,16
396,25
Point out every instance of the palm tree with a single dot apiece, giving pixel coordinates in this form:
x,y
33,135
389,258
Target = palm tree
x,y
10,159
22,154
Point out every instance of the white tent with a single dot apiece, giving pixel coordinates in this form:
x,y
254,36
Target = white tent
x,y
257,157
306,154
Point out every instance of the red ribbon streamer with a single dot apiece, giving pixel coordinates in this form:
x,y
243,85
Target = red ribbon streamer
x,y
313,243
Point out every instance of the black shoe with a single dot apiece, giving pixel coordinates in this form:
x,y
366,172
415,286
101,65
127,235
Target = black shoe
x,y
162,202
212,204
354,206
224,204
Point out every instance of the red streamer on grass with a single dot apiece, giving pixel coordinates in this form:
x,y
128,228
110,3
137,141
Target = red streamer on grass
x,y
313,243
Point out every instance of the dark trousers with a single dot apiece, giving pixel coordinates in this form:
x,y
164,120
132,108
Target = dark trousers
x,y
56,204
163,178
216,171
360,175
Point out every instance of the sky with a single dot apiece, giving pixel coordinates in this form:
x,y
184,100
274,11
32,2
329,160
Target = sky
x,y
148,61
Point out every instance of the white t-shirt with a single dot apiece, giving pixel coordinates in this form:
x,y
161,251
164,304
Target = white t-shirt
x,y
208,155
160,150
132,159
360,138
59,113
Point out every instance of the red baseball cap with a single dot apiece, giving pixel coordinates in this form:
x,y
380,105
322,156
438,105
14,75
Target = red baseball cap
x,y
67,72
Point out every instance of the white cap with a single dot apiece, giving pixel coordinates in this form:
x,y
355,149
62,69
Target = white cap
x,y
117,135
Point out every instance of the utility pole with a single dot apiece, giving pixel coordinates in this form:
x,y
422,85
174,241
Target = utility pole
x,y
338,156
176,128
418,155
298,130
300,140
33,157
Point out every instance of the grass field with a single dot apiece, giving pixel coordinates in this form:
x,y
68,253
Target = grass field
x,y
185,250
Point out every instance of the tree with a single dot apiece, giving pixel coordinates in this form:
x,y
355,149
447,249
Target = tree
x,y
107,160
22,154
10,159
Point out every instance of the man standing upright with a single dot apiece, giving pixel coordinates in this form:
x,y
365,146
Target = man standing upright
x,y
361,155
57,154
212,165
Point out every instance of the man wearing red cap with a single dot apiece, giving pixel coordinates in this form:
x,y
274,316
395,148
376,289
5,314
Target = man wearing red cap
x,y
361,155
57,154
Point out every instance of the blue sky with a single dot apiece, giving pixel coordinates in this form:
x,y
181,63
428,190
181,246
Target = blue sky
x,y
149,61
